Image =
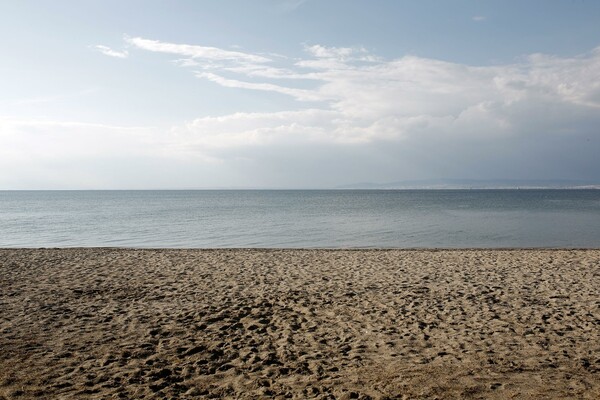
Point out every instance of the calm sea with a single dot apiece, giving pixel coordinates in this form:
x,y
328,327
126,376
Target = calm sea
x,y
302,218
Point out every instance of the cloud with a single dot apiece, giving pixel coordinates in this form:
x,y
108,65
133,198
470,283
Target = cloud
x,y
256,129
354,81
300,94
42,137
110,52
479,18
195,52
438,118
333,52
41,153
38,100
358,117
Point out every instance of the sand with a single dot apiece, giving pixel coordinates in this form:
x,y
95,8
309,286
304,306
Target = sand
x,y
118,323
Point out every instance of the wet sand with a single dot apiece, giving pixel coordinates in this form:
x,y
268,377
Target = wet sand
x,y
120,323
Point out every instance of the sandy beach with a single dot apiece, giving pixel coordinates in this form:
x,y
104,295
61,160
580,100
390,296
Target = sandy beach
x,y
343,324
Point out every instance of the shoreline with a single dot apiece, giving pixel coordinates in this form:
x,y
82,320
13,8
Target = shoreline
x,y
299,323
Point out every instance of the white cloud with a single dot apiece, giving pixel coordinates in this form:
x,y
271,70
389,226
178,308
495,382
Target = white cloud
x,y
436,117
37,100
110,52
196,52
405,86
375,119
186,62
365,102
43,138
333,52
299,94
255,129
479,18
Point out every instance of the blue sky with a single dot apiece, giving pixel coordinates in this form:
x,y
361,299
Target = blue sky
x,y
174,94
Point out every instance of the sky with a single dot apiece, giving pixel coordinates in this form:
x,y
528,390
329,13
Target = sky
x,y
296,93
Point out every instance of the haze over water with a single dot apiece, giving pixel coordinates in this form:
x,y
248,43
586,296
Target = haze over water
x,y
301,218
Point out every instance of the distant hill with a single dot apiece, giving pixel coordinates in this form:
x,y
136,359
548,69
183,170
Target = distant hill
x,y
476,184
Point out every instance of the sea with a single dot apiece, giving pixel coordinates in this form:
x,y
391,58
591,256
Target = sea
x,y
301,219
